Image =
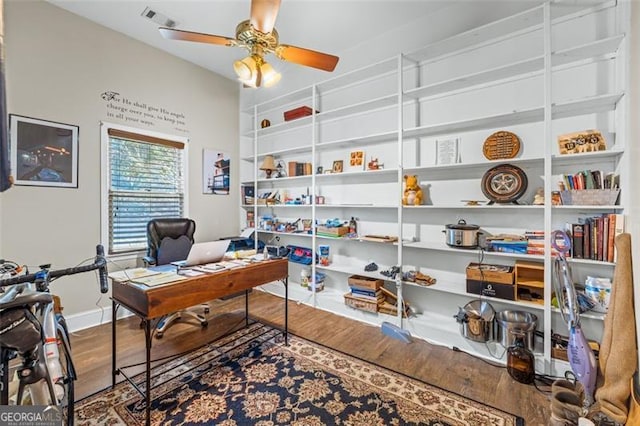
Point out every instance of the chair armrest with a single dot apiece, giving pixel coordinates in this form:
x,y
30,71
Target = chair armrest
x,y
149,261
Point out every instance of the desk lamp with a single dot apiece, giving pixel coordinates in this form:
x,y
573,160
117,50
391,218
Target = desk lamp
x,y
268,165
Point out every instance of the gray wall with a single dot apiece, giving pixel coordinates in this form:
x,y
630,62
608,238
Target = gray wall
x,y
57,66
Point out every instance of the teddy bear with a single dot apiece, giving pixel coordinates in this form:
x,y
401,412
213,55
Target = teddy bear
x,y
412,191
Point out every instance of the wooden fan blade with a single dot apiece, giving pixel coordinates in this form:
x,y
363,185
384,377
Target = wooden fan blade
x,y
172,34
264,14
307,57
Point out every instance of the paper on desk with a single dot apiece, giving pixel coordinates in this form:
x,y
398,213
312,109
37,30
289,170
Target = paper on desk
x,y
158,279
130,274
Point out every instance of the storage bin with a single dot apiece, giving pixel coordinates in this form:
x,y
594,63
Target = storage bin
x,y
365,282
590,197
361,304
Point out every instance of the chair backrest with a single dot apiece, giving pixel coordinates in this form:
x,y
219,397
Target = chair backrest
x,y
169,239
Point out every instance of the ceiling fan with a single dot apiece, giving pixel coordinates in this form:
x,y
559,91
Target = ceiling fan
x,y
259,37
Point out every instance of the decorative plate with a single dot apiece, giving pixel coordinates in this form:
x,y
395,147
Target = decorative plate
x,y
501,145
504,184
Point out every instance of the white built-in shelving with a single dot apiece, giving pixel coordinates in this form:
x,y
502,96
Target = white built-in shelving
x,y
532,73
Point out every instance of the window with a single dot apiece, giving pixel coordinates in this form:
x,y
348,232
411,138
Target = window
x,y
144,179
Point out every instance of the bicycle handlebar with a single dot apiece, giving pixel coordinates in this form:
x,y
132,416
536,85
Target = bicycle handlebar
x,y
99,263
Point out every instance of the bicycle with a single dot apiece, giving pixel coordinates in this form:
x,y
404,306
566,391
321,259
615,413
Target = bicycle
x,y
31,330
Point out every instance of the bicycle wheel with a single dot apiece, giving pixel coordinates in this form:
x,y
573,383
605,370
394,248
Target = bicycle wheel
x,y
68,371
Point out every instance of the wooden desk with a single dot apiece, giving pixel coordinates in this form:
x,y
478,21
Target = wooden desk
x,y
152,303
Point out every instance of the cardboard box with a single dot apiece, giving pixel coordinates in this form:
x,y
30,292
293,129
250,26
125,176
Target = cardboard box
x,y
303,111
498,274
365,282
500,291
337,231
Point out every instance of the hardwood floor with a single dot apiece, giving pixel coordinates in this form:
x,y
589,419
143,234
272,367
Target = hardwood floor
x,y
439,366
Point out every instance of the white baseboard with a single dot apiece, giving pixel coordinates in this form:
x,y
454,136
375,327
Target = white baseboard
x,y
92,318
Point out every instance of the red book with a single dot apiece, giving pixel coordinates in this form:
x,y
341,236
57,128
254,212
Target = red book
x,y
612,234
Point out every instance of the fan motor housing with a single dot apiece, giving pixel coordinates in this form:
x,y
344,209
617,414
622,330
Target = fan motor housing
x,y
249,36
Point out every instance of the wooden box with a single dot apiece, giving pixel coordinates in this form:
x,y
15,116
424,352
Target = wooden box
x,y
337,231
365,282
529,280
501,291
497,274
362,304
303,111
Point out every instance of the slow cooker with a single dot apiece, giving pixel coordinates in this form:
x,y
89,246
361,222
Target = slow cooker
x,y
462,235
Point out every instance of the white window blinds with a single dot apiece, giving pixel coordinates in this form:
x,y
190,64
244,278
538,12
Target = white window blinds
x,y
146,181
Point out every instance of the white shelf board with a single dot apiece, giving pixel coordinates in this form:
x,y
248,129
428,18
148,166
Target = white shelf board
x,y
440,246
585,158
493,32
297,97
463,170
521,69
284,180
285,126
372,139
561,110
390,175
353,269
297,293
597,208
292,234
280,152
332,300
355,206
479,207
284,206
367,106
366,73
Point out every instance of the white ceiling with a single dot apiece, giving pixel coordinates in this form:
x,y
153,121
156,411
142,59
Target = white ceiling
x,y
325,25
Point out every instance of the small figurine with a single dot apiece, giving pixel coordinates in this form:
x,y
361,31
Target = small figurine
x,y
412,191
373,164
538,198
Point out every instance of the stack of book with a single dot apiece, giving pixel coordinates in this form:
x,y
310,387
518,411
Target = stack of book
x,y
593,238
299,169
372,295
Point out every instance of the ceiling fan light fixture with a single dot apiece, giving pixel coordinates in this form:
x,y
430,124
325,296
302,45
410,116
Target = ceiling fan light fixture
x,y
246,68
270,76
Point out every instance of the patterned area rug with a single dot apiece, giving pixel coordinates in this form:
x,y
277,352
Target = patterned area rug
x,y
251,378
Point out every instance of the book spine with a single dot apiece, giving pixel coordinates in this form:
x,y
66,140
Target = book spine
x,y
587,239
620,225
612,233
599,241
577,240
292,168
605,237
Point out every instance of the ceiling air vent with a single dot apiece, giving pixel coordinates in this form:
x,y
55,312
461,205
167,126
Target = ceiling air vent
x,y
158,18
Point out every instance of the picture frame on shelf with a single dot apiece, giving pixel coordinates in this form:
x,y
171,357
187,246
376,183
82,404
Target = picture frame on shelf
x,y
43,152
356,160
448,151
337,166
319,170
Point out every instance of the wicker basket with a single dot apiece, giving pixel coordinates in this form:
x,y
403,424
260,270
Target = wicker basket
x,y
590,197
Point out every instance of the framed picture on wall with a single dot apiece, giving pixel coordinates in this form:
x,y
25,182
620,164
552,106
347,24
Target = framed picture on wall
x,y
215,172
43,153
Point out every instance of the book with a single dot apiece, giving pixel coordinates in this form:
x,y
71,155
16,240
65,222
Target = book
x,y
586,246
577,242
610,240
605,237
619,229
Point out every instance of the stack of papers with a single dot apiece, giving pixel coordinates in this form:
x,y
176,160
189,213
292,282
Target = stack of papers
x,y
131,274
158,279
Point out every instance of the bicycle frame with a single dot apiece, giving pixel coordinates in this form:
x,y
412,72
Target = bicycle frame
x,y
42,370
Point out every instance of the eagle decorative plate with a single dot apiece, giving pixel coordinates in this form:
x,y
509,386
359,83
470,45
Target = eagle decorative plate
x,y
504,184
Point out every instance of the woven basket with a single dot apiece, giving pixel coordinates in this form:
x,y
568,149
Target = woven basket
x,y
590,197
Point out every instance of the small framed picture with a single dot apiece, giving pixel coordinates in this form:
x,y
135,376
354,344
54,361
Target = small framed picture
x,y
447,151
319,170
337,166
356,160
43,153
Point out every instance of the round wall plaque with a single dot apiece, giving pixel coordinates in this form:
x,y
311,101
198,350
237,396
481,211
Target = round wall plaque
x,y
501,145
504,184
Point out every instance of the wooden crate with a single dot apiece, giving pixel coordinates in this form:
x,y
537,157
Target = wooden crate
x,y
361,304
529,280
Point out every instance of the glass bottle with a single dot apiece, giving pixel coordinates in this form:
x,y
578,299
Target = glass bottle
x,y
520,360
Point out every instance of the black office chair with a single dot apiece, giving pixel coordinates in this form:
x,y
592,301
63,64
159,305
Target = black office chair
x,y
169,240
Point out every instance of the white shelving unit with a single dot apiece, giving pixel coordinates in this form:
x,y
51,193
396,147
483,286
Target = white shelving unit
x,y
550,70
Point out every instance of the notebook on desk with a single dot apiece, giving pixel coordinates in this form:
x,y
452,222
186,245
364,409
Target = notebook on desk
x,y
201,253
